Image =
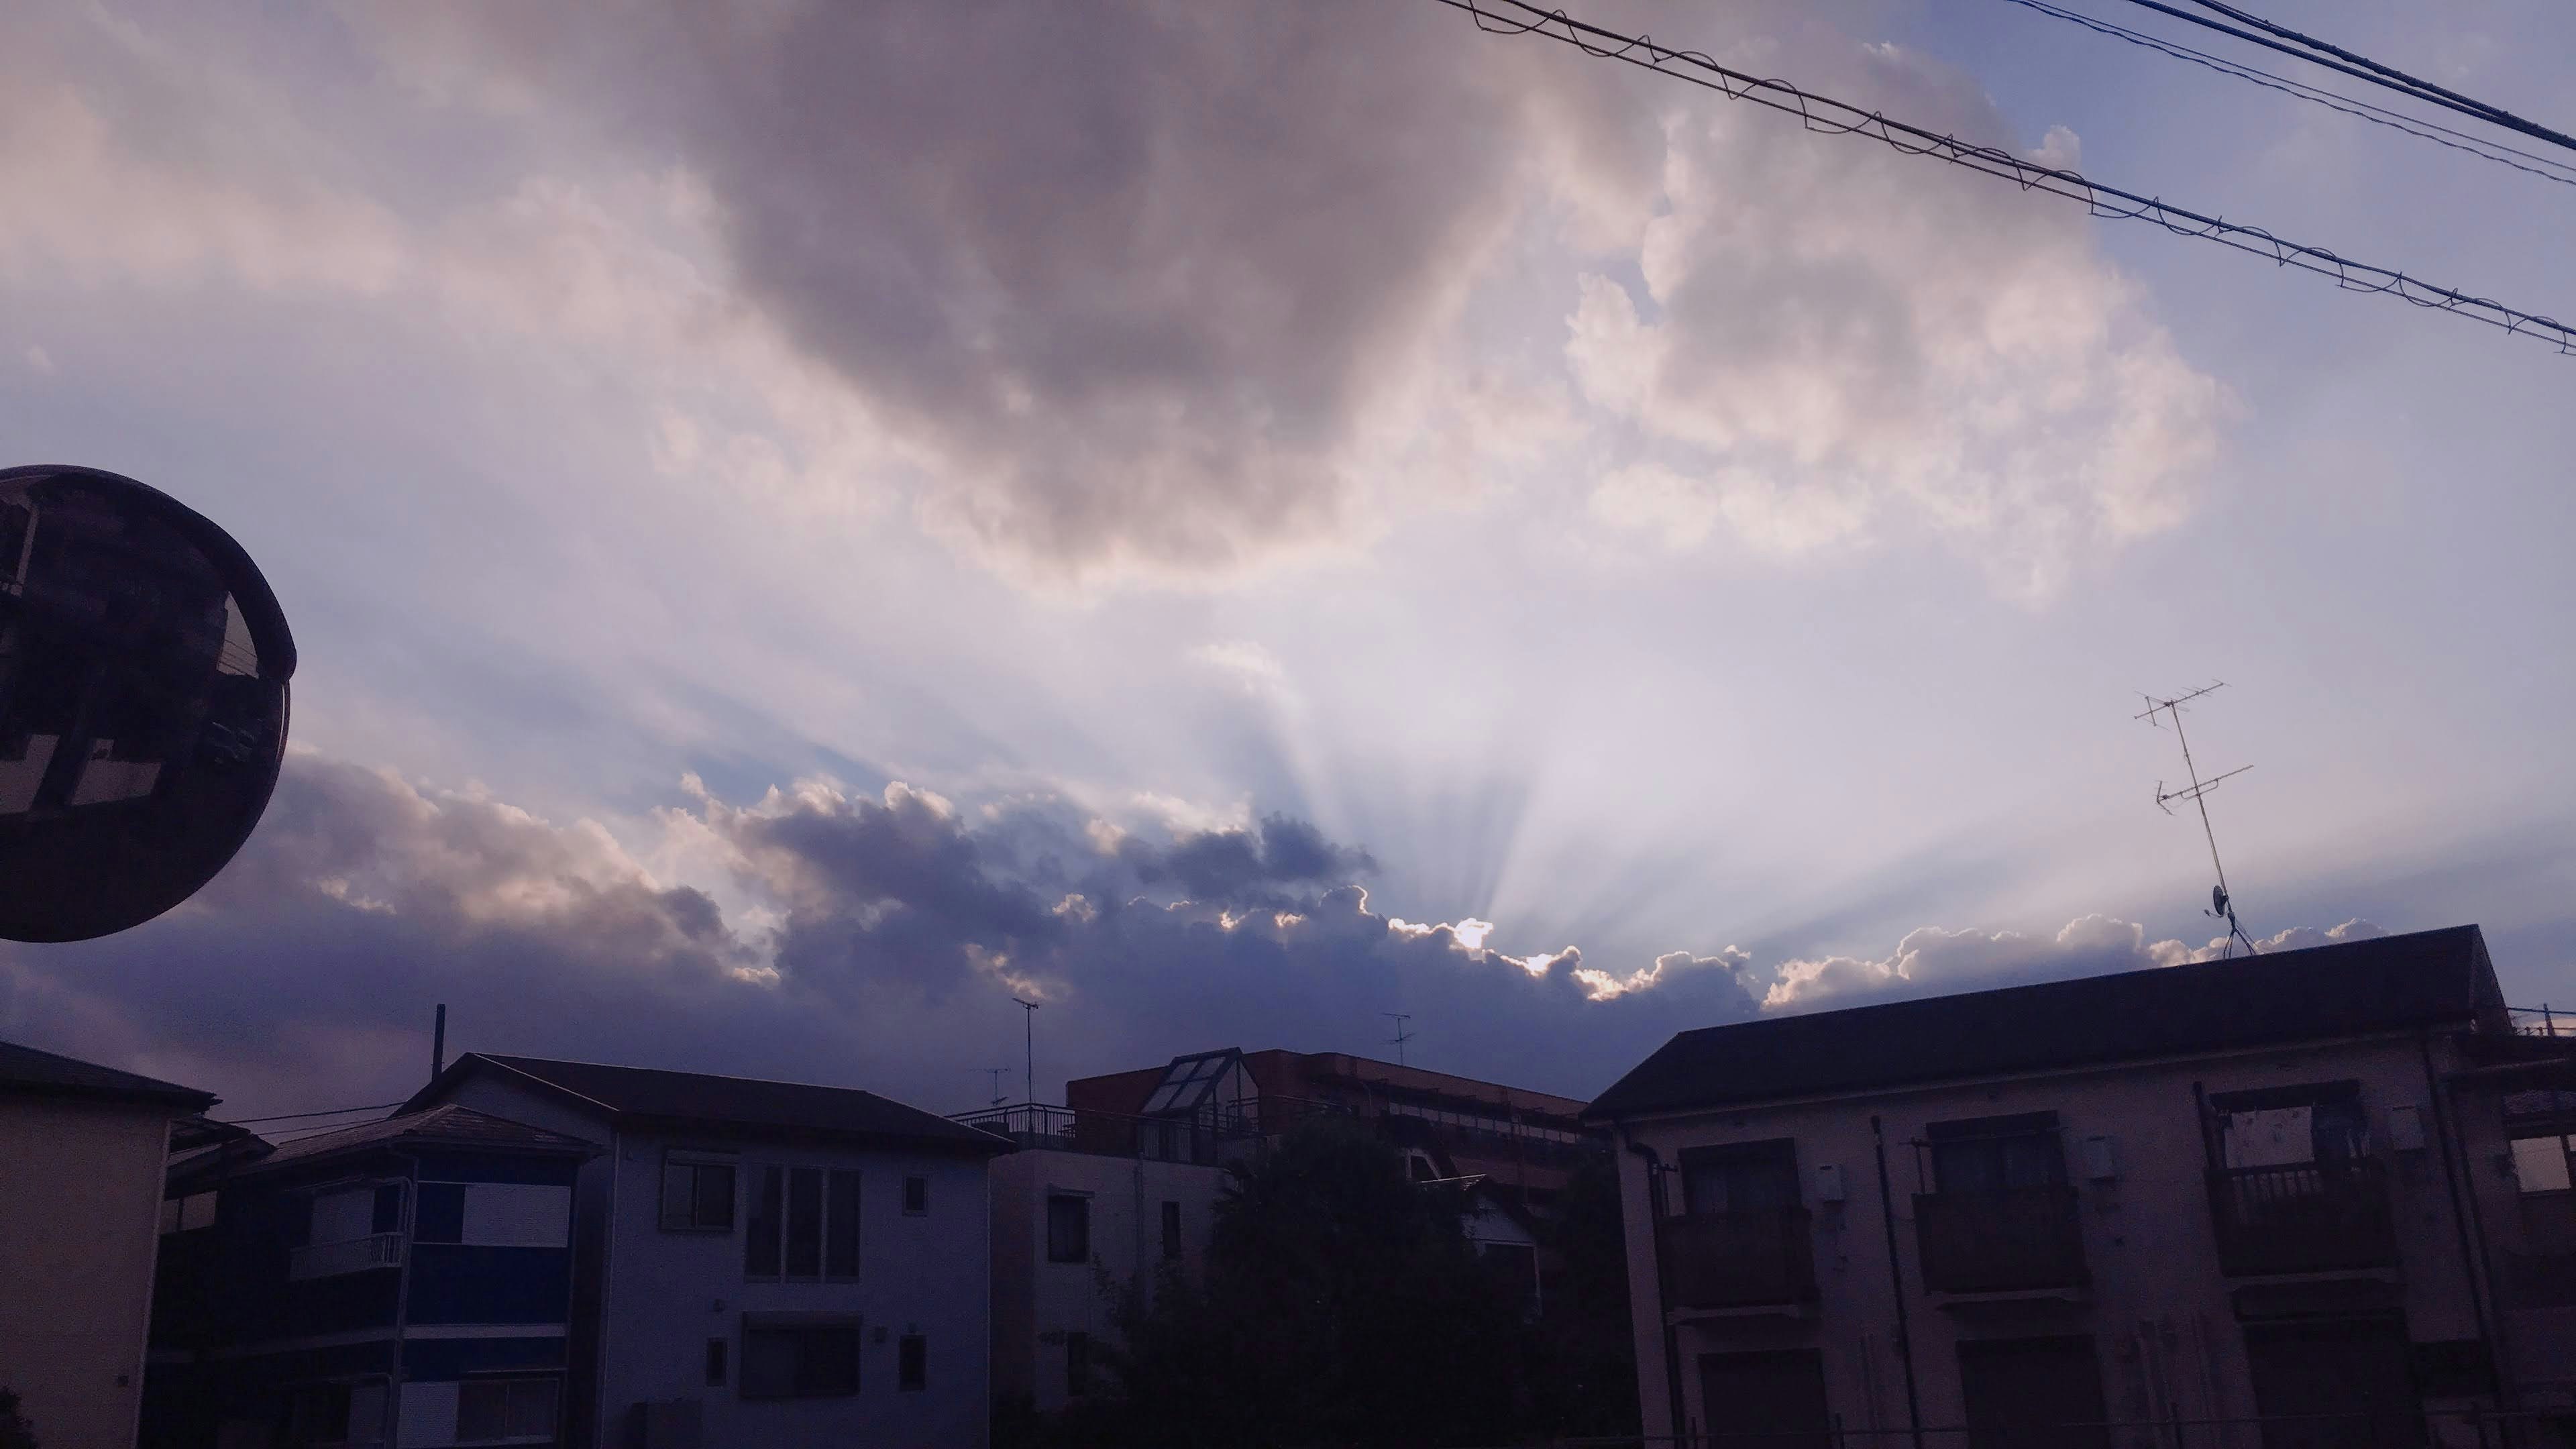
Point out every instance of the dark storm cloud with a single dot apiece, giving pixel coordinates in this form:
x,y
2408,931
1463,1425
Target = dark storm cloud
x,y
1130,274
893,934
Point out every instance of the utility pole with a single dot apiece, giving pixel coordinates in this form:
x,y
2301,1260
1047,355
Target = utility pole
x,y
1401,1035
438,1044
1029,1063
2222,905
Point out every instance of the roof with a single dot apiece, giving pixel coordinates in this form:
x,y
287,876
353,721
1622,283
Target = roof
x,y
25,1069
446,1125
649,1096
2353,988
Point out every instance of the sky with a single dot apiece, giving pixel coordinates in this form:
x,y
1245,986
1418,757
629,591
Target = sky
x,y
805,523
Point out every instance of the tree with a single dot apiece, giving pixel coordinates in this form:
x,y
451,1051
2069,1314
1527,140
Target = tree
x,y
1341,1305
1587,1380
15,1431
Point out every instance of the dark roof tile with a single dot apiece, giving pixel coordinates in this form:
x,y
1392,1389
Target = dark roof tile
x,y
2353,988
741,1103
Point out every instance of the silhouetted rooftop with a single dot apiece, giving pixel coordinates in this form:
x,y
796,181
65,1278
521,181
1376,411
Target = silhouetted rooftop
x,y
25,1069
2353,988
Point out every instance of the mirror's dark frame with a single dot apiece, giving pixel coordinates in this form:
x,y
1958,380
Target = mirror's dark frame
x,y
261,617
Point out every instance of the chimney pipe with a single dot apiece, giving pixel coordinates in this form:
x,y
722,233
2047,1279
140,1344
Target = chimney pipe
x,y
438,1044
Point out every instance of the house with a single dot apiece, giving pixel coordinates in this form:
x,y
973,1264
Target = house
x,y
1125,1178
2315,1197
759,1263
402,1282
82,1149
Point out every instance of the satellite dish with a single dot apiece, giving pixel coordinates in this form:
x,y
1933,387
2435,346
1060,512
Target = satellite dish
x,y
143,669
2218,900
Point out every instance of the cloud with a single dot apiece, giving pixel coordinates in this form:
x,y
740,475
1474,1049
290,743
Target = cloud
x,y
1932,960
827,935
1833,341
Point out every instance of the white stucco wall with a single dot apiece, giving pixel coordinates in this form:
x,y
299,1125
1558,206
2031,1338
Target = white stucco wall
x,y
668,1293
1035,1301
82,1182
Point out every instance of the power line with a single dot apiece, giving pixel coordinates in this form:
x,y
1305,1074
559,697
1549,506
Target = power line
x,y
299,1116
2417,126
1832,117
2333,58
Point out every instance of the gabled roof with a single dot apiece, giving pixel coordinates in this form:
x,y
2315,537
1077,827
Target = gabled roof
x,y
27,1070
651,1097
2357,988
446,1125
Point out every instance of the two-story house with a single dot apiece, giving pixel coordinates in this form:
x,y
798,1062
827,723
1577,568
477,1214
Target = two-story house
x,y
2236,1203
405,1281
82,1149
769,1263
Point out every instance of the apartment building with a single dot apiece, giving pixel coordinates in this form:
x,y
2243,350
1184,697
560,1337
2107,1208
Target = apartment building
x,y
2313,1198
1126,1176
405,1281
759,1263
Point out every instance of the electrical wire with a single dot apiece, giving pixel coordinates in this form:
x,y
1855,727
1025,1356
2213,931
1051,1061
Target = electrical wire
x,y
2433,131
1828,116
298,1116
2333,58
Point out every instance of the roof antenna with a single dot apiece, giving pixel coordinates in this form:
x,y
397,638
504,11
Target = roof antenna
x,y
1029,1066
2221,905
1401,1035
996,1074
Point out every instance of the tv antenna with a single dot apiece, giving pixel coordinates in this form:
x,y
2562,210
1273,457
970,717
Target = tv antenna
x,y
1029,1063
1401,1035
996,1074
2221,905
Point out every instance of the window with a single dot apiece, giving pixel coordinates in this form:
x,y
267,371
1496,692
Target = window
x,y
1171,1232
803,1224
1997,1154
916,1195
2540,1164
1077,1363
760,1244
912,1362
385,1214
805,1359
716,1362
336,1413
507,1410
697,1195
440,1217
841,1223
1740,1178
1068,1228
186,1214
2319,1122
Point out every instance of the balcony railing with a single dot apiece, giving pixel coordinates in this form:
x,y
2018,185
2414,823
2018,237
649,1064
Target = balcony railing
x,y
1739,1260
2017,1239
2309,1217
357,1255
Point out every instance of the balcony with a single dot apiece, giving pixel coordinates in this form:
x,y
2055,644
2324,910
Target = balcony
x,y
356,1255
1739,1260
2308,1217
2020,1239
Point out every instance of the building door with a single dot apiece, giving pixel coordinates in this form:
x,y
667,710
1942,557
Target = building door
x,y
2033,1393
1765,1400
2334,1384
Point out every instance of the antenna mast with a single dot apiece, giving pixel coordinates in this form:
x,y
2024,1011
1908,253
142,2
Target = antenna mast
x,y
1029,1063
996,1074
1401,1035
2222,905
